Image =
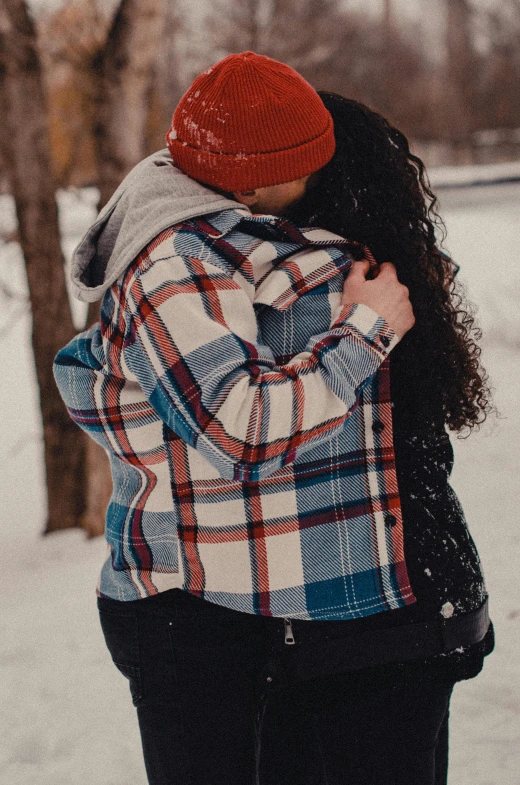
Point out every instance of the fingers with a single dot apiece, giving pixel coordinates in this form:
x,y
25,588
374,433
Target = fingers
x,y
388,269
359,269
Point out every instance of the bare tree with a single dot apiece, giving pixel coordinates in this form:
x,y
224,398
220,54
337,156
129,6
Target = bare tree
x,y
83,47
124,70
307,35
250,19
462,69
388,14
499,105
357,55
70,39
168,81
27,156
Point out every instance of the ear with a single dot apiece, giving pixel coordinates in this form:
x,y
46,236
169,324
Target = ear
x,y
249,198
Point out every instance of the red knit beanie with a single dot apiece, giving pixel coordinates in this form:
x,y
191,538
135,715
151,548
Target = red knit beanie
x,y
248,122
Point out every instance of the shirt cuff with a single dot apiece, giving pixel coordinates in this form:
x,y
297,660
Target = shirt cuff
x,y
366,323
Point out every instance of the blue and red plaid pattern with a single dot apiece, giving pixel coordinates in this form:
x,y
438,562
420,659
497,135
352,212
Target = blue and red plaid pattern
x,y
247,417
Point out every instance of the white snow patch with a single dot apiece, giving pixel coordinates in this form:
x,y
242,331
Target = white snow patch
x,y
447,610
212,139
449,176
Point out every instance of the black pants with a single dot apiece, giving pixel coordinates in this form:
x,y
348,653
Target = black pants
x,y
218,703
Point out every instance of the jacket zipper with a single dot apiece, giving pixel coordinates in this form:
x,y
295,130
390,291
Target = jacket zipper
x,y
289,635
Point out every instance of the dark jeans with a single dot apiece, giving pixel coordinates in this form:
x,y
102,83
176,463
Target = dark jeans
x,y
218,704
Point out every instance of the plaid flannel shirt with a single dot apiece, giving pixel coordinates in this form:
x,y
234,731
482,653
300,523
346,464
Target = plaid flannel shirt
x,y
247,417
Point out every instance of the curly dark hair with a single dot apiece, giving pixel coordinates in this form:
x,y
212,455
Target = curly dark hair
x,y
374,191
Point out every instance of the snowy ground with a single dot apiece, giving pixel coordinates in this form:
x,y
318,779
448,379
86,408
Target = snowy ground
x,y
65,713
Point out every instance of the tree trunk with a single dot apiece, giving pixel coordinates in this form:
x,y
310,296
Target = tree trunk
x,y
124,72
125,69
388,16
462,72
25,117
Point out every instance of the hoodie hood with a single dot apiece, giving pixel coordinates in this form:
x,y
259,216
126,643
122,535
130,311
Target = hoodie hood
x,y
153,196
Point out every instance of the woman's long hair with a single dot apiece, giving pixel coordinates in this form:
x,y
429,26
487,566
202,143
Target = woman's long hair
x,y
376,192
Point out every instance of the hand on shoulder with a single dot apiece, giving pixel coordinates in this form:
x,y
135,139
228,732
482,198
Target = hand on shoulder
x,y
383,294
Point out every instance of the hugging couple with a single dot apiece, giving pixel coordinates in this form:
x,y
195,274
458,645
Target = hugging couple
x,y
290,585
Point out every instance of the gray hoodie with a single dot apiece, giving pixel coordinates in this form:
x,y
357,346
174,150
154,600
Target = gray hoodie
x,y
153,197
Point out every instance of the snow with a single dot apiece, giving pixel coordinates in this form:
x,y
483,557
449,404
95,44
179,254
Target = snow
x,y
457,176
447,610
65,712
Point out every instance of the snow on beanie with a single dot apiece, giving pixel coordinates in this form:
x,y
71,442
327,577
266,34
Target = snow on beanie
x,y
249,122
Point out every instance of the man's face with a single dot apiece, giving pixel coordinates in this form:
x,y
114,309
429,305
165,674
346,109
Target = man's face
x,y
274,199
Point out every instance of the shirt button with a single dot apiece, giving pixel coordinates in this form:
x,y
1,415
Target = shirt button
x,y
385,340
378,426
390,520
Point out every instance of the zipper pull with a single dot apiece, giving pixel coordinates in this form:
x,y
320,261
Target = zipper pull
x,y
289,635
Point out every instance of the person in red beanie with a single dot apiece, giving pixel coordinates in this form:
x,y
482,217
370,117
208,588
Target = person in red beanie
x,y
250,122
239,379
